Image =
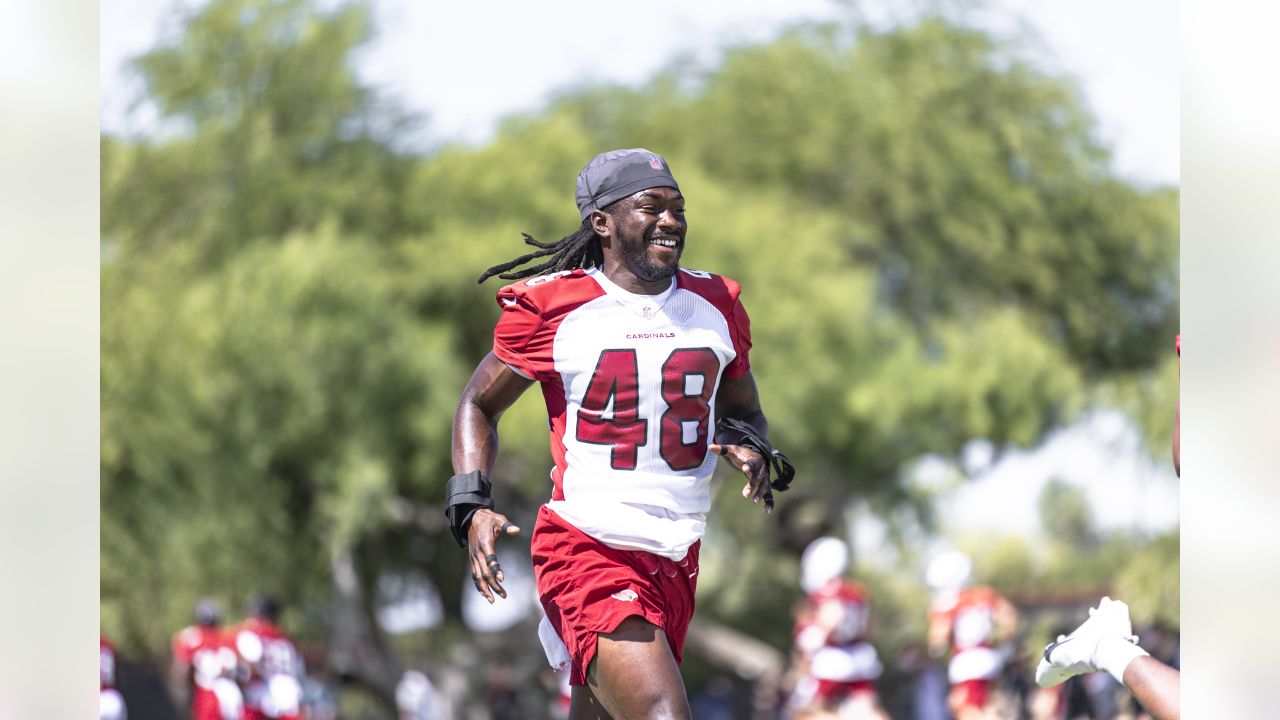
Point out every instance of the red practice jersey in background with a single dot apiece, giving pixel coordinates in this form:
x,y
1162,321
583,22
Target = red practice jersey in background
x,y
210,654
274,689
837,598
106,664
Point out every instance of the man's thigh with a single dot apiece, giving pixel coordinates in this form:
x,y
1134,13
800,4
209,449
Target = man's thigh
x,y
634,674
583,705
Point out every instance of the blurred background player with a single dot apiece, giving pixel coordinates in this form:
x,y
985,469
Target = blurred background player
x,y
417,698
836,666
1105,641
203,671
275,668
110,701
973,623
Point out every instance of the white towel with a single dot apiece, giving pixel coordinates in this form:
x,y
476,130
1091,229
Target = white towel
x,y
552,645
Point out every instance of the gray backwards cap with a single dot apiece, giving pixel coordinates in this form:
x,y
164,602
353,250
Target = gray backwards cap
x,y
613,175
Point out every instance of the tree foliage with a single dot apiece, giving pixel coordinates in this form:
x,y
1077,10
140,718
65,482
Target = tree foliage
x,y
1065,515
932,244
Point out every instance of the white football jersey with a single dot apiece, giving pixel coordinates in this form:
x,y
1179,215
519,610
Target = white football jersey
x,y
630,383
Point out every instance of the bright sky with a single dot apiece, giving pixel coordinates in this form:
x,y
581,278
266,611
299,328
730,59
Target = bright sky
x,y
467,64
1102,455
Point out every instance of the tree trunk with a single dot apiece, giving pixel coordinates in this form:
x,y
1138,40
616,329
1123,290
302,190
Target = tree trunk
x,y
357,651
744,656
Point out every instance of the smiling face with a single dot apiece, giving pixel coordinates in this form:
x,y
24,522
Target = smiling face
x,y
642,237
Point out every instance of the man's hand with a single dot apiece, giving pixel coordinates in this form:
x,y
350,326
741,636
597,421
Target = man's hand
x,y
486,526
753,465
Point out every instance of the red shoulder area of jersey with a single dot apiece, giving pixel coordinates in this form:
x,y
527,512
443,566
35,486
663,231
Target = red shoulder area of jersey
x,y
531,313
194,638
720,290
262,628
840,589
723,293
553,293
190,636
978,595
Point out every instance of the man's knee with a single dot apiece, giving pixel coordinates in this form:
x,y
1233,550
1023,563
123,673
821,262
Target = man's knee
x,y
650,701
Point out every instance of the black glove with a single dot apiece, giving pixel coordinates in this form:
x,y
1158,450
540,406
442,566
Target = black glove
x,y
736,432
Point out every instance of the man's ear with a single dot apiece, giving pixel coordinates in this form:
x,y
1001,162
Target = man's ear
x,y
602,224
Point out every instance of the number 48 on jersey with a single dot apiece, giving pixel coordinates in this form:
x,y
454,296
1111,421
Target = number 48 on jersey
x,y
688,381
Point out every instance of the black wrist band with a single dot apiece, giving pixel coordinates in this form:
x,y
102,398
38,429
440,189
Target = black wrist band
x,y
737,432
463,496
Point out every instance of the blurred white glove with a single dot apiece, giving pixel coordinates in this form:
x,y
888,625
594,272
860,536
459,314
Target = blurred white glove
x,y
1103,642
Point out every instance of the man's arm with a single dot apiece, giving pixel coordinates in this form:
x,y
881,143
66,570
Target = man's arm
x,y
492,389
738,399
1006,619
1156,686
179,680
939,638
1105,641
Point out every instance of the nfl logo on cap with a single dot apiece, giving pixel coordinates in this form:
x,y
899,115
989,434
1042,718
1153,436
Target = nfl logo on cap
x,y
616,174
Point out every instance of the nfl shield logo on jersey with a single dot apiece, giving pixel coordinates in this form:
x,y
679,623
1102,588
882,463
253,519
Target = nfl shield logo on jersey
x,y
655,162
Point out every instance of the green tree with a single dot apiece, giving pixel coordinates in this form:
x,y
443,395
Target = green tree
x,y
961,174
271,134
1150,582
932,245
1066,516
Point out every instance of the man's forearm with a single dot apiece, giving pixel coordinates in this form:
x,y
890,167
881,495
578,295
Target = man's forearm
x,y
738,399
1156,686
475,439
178,684
492,389
755,419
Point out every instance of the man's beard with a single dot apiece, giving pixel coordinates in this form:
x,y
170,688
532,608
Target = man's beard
x,y
645,267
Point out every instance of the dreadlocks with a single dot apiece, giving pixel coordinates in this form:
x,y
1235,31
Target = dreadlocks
x,y
579,249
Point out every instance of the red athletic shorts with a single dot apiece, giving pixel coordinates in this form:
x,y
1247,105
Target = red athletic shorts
x,y
205,705
973,693
588,588
257,714
837,691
